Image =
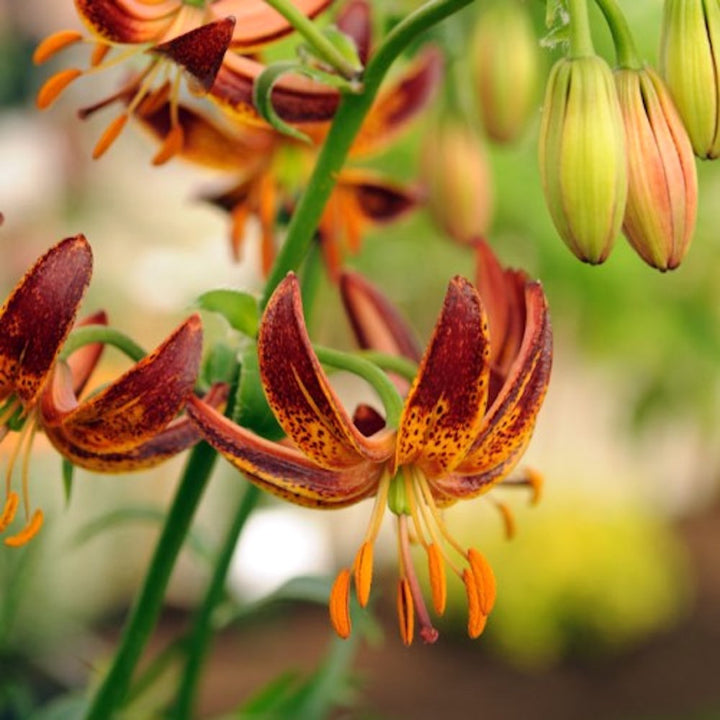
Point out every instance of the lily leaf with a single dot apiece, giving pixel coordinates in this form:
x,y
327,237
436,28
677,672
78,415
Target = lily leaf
x,y
68,473
240,309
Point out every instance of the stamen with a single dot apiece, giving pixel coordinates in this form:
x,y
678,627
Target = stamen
x,y
172,145
11,506
363,567
339,604
28,532
476,618
530,478
54,85
438,581
484,578
27,428
109,136
154,100
508,519
406,614
54,44
7,412
413,506
99,53
32,429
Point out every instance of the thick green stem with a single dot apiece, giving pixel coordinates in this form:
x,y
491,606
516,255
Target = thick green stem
x,y
143,616
198,640
320,43
348,119
627,55
89,334
581,44
392,363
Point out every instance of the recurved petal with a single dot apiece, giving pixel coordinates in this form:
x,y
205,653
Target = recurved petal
x,y
400,103
378,199
258,23
299,392
83,361
137,405
296,99
38,315
201,50
129,21
446,403
509,422
283,470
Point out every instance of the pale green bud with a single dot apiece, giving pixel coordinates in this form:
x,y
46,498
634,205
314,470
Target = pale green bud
x,y
582,156
662,179
690,64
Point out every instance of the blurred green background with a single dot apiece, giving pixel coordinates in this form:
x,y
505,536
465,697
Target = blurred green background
x,y
609,595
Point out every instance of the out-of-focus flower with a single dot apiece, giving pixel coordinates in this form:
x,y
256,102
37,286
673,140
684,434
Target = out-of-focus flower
x,y
458,178
506,63
124,426
462,429
176,36
662,180
690,64
583,156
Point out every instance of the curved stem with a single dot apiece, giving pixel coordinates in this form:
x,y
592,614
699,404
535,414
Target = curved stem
x,y
88,334
392,363
143,616
348,119
381,383
198,639
581,44
627,55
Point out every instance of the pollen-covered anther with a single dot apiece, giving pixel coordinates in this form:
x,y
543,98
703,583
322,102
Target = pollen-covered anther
x,y
54,86
476,618
508,519
339,604
98,54
54,43
111,134
363,568
11,506
172,145
28,532
536,482
406,611
484,580
438,580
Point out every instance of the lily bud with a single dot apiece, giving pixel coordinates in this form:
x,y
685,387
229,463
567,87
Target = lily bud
x,y
582,156
506,62
689,63
457,176
662,180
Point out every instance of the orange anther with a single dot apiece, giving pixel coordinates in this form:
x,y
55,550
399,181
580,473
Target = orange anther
x,y
172,145
110,135
339,604
98,54
363,572
484,580
54,43
11,506
508,520
406,611
54,85
476,617
536,482
154,100
28,532
438,581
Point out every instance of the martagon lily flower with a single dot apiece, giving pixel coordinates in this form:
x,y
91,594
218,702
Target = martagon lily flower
x,y
174,36
128,425
466,421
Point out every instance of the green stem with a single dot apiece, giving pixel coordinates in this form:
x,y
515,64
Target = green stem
x,y
392,363
581,44
198,640
627,54
348,119
88,334
320,43
381,383
143,616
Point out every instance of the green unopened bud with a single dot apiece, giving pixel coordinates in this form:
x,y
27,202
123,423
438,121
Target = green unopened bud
x,y
662,180
582,156
506,64
690,64
457,176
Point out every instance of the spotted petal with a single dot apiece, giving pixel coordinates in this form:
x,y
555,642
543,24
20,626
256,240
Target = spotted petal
x,y
509,422
38,315
282,470
136,406
444,408
299,392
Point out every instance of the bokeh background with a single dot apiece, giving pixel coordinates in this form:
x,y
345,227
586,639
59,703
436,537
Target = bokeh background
x,y
609,595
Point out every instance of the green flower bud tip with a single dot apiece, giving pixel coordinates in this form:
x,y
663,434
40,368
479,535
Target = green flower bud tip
x,y
582,156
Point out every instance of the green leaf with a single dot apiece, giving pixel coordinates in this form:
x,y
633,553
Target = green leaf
x,y
240,309
220,365
68,707
68,472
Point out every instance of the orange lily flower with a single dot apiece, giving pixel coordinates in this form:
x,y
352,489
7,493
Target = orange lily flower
x,y
177,35
128,425
466,421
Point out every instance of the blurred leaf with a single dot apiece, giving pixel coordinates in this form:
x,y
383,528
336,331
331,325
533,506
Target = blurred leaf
x,y
271,699
68,707
240,309
220,365
68,472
